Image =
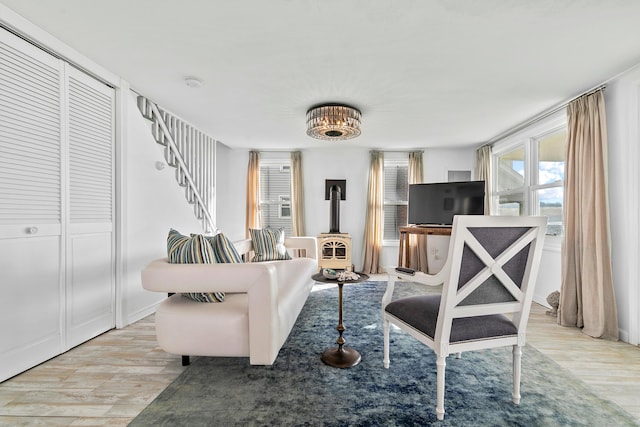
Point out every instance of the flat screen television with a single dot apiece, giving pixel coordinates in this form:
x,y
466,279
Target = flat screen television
x,y
437,203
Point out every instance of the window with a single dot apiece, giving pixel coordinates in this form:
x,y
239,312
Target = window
x,y
529,174
548,186
275,193
285,207
511,183
396,194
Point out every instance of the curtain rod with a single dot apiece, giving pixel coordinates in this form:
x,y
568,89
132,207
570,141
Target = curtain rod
x,y
557,108
397,151
542,115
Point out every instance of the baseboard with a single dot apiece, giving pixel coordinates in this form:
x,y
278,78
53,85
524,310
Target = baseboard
x,y
624,335
140,314
542,300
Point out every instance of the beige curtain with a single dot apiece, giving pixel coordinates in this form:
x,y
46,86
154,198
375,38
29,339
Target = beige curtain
x,y
417,242
374,217
297,199
483,173
416,171
252,217
587,298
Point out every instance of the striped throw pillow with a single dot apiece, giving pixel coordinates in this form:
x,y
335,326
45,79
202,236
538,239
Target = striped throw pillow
x,y
192,250
189,250
268,244
223,249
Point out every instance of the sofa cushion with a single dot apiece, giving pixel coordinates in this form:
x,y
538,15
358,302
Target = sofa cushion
x,y
195,249
190,328
268,244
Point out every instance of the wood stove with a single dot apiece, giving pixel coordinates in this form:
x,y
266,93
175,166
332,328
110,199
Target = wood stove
x,y
334,247
334,251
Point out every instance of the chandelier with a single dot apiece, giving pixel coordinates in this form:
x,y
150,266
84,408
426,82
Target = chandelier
x,y
333,122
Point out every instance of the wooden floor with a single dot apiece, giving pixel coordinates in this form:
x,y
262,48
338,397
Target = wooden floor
x,y
110,379
610,369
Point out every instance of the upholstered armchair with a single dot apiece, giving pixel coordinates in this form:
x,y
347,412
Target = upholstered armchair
x,y
488,283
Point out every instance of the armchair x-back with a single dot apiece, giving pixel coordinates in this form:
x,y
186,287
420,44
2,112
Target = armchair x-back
x,y
487,289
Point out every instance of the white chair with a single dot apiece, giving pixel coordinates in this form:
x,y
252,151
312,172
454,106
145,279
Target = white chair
x,y
488,283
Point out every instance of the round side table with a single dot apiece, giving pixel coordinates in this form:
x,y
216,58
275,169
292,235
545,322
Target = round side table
x,y
340,357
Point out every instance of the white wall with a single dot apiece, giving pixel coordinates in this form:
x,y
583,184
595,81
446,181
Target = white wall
x,y
231,190
351,164
622,99
152,203
438,162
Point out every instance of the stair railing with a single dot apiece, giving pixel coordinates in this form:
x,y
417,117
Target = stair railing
x,y
186,149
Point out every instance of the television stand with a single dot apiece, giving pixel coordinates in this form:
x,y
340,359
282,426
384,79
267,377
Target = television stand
x,y
405,232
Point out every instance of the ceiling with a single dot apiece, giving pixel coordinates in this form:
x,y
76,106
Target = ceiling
x,y
424,73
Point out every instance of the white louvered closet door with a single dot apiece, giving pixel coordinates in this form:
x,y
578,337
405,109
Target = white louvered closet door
x,y
31,225
56,206
90,256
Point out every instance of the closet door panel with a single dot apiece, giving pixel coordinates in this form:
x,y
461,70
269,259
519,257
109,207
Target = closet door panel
x,y
31,225
90,287
31,303
90,255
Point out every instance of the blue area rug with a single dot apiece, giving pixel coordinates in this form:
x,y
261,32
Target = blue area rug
x,y
299,390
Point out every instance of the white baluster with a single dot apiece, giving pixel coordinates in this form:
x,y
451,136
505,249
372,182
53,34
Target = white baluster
x,y
192,153
169,155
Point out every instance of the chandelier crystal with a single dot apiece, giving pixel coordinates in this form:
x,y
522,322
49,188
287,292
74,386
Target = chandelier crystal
x,y
333,122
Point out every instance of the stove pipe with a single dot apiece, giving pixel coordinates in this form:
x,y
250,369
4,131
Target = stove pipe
x,y
334,195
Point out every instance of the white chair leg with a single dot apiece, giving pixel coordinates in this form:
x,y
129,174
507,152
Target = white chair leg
x,y
385,327
517,356
441,363
458,355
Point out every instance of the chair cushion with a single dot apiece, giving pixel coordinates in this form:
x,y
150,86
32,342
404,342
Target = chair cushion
x,y
421,312
268,244
495,240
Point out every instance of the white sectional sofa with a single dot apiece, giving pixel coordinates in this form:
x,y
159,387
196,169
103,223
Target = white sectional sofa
x,y
262,302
